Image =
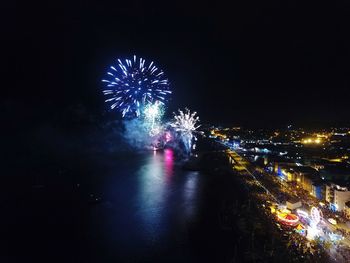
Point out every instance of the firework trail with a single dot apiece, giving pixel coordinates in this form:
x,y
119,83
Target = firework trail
x,y
133,83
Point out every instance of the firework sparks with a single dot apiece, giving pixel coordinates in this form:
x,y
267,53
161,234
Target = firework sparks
x,y
186,123
153,114
133,83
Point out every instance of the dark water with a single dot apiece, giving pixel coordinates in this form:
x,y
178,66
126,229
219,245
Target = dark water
x,y
151,211
149,203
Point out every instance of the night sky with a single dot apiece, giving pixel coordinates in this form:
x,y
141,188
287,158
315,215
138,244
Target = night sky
x,y
248,63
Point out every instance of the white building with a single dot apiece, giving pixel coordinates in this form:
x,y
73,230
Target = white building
x,y
337,196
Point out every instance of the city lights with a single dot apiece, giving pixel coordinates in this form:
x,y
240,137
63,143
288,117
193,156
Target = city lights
x,y
296,180
312,141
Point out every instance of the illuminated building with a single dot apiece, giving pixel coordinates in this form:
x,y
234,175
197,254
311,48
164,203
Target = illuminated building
x,y
347,209
318,190
305,177
337,196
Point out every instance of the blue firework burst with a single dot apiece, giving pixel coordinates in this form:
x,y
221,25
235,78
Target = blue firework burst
x,y
132,83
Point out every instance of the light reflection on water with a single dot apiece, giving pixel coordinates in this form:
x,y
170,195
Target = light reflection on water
x,y
149,204
166,193
189,194
152,184
169,164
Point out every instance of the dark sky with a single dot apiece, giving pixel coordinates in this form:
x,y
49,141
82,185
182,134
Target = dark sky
x,y
252,62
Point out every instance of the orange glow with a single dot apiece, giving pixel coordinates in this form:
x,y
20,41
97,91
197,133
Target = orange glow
x,y
317,140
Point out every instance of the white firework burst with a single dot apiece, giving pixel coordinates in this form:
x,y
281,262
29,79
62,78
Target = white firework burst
x,y
186,124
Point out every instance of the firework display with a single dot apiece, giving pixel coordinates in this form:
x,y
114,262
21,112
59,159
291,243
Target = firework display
x,y
133,83
139,91
153,114
186,123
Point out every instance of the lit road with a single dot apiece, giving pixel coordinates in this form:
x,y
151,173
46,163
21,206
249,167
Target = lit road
x,y
241,165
